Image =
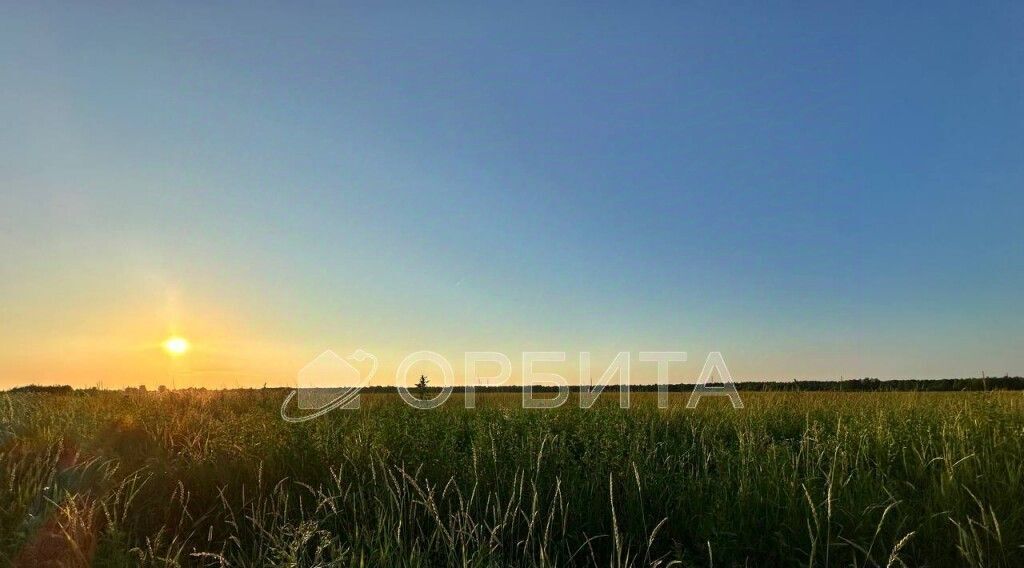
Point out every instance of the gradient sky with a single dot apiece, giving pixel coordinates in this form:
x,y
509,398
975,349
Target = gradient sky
x,y
815,191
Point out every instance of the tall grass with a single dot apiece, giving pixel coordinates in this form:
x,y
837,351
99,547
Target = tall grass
x,y
218,479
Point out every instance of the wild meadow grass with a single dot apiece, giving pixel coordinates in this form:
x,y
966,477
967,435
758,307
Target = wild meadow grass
x,y
795,479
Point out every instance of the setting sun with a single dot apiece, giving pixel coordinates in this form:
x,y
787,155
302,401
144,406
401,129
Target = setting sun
x,y
176,345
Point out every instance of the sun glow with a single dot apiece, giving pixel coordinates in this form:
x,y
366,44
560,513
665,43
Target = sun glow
x,y
176,346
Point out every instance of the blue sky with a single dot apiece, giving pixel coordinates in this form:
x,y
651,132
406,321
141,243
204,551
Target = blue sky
x,y
815,191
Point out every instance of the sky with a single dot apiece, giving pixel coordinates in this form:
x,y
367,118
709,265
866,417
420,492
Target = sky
x,y
816,191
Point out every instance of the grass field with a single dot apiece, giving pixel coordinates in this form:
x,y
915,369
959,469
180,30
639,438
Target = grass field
x,y
218,479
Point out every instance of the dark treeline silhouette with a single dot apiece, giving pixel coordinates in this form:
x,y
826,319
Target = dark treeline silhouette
x,y
1005,383
849,385
49,389
878,385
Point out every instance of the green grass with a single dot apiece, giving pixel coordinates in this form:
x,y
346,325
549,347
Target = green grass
x,y
218,479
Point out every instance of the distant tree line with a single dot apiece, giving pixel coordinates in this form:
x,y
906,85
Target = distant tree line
x,y
848,385
49,389
877,385
868,384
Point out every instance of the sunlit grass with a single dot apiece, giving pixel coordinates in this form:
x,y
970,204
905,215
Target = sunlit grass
x,y
217,478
